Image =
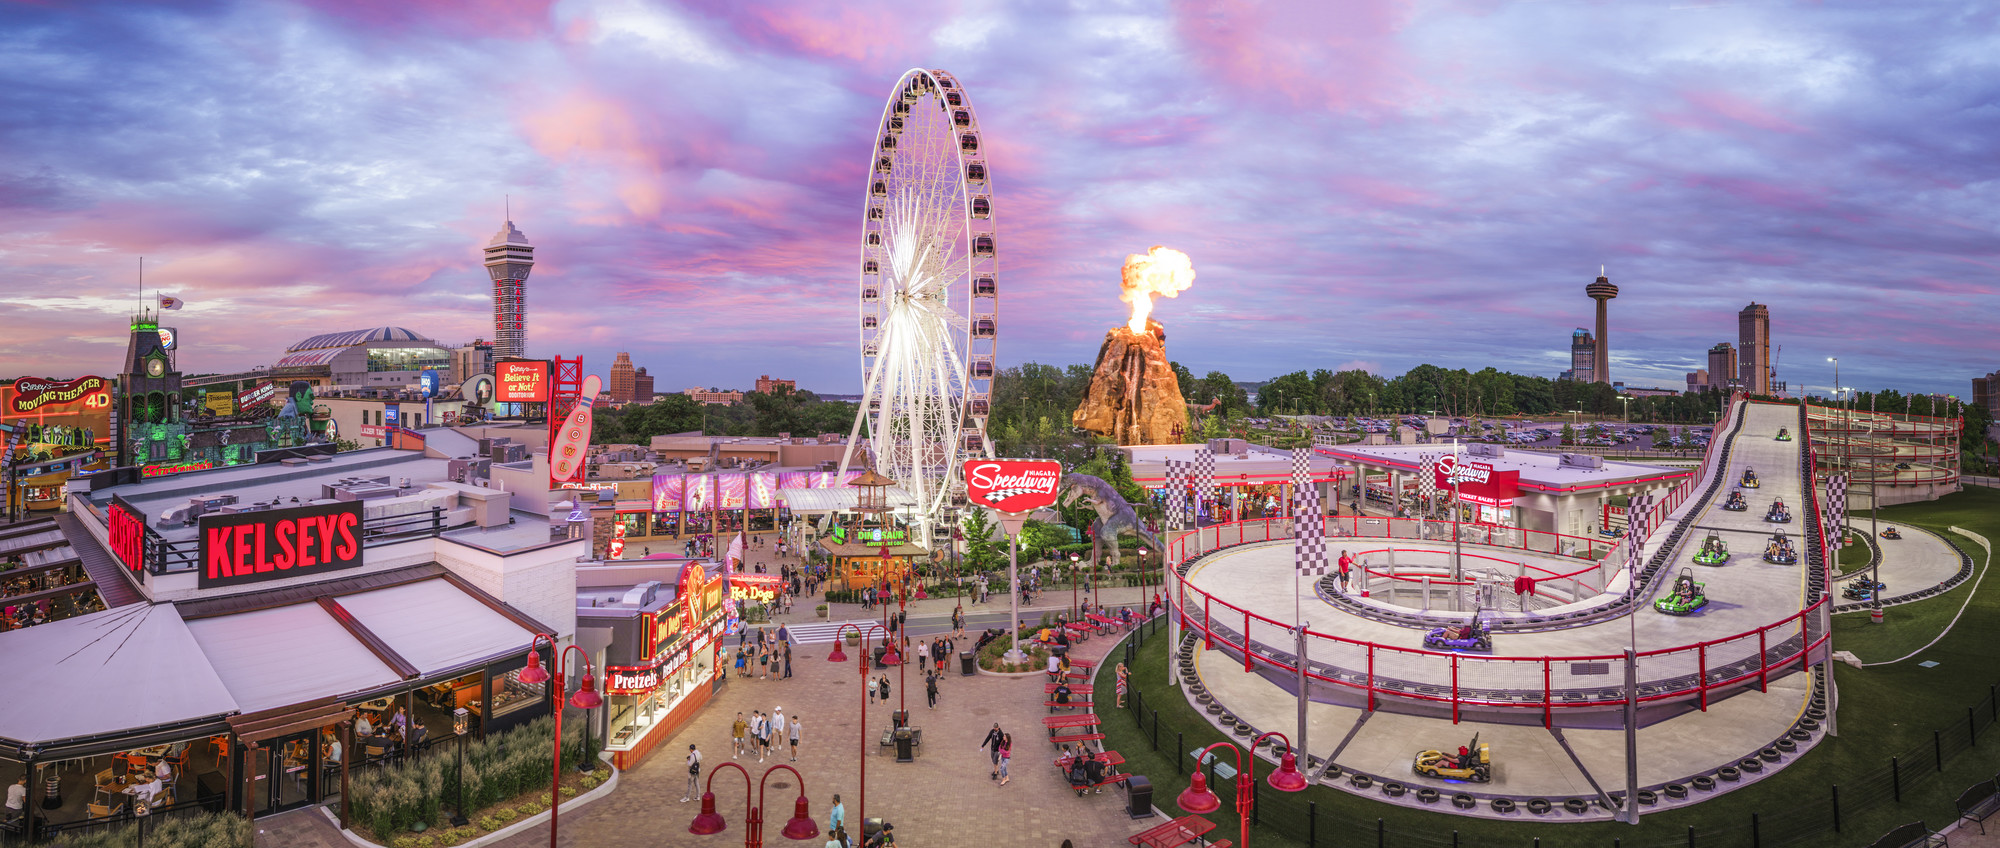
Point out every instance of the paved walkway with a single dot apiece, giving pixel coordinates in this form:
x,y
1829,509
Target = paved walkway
x,y
942,799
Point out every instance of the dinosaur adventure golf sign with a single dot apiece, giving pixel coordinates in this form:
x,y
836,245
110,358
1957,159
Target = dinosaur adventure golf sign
x,y
1015,486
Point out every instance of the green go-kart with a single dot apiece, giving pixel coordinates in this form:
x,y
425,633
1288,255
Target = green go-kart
x,y
1784,435
1713,551
1685,597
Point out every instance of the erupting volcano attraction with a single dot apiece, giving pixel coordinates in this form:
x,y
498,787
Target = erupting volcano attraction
x,y
1134,396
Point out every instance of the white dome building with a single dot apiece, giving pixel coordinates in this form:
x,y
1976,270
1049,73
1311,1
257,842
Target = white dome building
x,y
381,357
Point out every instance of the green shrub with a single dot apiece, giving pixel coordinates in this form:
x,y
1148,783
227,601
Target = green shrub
x,y
491,823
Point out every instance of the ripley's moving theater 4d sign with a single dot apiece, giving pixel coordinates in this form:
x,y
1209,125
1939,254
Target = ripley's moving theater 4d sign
x,y
252,547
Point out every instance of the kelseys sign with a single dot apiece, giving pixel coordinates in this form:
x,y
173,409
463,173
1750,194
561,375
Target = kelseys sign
x,y
1478,482
1012,485
251,547
127,527
32,393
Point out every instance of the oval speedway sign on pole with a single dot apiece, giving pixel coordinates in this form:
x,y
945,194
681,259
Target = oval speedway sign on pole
x,y
1012,485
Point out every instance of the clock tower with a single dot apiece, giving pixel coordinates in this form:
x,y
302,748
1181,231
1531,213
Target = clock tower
x,y
149,387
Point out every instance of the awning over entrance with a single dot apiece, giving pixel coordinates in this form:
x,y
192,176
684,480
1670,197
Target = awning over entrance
x,y
435,625
128,668
835,500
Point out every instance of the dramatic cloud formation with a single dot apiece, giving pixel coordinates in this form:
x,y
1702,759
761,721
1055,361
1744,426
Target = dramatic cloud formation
x,y
1360,184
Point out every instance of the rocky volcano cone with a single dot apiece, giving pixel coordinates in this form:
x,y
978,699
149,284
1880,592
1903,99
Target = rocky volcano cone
x,y
1134,396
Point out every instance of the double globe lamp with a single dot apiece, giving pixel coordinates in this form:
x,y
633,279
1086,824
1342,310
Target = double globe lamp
x,y
1197,798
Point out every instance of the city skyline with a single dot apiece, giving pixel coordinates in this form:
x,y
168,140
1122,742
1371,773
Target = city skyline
x,y
1419,185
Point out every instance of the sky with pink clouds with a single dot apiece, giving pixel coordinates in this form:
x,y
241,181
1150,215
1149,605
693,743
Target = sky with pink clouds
x,y
1360,184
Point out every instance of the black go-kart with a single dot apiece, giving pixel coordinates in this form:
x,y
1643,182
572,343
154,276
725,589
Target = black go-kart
x,y
1778,513
1736,502
1781,552
1474,636
1863,589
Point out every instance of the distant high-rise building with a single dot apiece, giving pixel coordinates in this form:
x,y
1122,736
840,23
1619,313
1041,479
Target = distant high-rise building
x,y
509,258
765,385
621,378
1602,291
475,358
1986,393
1582,356
1753,342
1723,372
642,386
1697,381
710,395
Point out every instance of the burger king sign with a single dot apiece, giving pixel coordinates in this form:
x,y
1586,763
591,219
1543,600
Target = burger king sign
x,y
1012,485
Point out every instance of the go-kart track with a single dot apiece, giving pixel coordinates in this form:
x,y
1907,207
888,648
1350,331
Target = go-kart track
x,y
1721,698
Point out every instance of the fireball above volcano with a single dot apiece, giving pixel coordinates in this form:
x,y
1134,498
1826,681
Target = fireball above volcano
x,y
1161,270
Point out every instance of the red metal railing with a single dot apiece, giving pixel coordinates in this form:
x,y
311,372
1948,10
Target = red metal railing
x,y
1545,683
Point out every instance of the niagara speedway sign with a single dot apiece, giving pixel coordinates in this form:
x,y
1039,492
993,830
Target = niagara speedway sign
x,y
1012,485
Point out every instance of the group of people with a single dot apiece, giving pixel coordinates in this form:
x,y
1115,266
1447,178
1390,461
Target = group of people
x,y
764,656
1083,769
761,733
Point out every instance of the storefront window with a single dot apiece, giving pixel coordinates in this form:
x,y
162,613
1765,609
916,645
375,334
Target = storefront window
x,y
511,694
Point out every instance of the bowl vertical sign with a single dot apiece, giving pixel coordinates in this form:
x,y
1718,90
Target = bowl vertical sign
x,y
572,442
1012,486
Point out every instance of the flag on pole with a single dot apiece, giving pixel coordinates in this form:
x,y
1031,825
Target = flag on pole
x,y
1308,531
1177,499
1836,511
1639,525
168,301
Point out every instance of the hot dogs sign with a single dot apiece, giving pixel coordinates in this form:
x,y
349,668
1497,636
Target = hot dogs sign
x,y
1012,485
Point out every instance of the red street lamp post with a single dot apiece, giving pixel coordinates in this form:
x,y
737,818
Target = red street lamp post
x,y
889,657
1073,560
586,699
1197,798
709,822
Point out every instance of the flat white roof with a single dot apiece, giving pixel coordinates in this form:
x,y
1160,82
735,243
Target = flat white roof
x,y
1261,465
434,625
833,500
132,667
287,655
1539,471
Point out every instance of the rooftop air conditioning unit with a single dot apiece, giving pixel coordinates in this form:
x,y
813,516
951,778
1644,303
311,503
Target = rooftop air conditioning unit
x,y
1580,460
1484,449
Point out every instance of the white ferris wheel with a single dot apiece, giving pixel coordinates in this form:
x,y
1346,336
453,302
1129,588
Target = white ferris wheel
x,y
929,295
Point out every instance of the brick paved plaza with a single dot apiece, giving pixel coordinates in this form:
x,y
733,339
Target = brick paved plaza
x,y
945,798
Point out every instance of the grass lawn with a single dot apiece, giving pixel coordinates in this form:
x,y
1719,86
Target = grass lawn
x,y
1885,711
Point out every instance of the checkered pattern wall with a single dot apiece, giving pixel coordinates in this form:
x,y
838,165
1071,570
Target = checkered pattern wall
x,y
1204,475
1836,509
1427,487
1177,500
1308,531
1639,525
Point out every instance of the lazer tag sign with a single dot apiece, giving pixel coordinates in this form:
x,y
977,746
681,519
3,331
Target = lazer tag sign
x,y
251,547
1012,485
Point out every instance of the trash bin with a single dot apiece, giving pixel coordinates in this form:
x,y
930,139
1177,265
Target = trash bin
x,y
52,791
870,826
967,665
900,718
1139,797
879,652
905,752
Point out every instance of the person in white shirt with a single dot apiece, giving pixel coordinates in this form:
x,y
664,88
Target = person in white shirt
x,y
362,727
694,773
163,770
146,792
17,798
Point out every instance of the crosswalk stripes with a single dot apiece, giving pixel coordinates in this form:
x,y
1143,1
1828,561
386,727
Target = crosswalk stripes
x,y
821,633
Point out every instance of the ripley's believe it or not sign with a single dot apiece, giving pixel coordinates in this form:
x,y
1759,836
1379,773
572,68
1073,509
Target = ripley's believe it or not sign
x,y
33,393
1012,485
252,547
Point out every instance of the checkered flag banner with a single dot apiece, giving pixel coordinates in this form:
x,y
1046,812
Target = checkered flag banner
x,y
1638,525
1204,474
1836,509
1308,530
1177,505
1302,469
1427,487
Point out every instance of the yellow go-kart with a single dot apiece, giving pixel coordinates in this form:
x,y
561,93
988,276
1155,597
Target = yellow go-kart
x,y
1476,764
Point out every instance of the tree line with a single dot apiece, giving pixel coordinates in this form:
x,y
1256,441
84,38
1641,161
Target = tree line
x,y
781,410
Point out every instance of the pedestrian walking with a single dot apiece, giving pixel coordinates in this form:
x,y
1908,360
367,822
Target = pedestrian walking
x,y
795,738
1006,755
736,732
694,773
836,816
993,739
882,686
930,689
788,659
1122,675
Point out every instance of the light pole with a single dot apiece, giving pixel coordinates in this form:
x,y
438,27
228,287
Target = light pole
x,y
1197,798
889,657
460,719
586,699
1073,560
709,822
1628,407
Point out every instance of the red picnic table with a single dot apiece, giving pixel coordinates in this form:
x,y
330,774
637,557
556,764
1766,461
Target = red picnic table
x,y
1068,722
1110,759
1106,620
1074,688
1180,831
